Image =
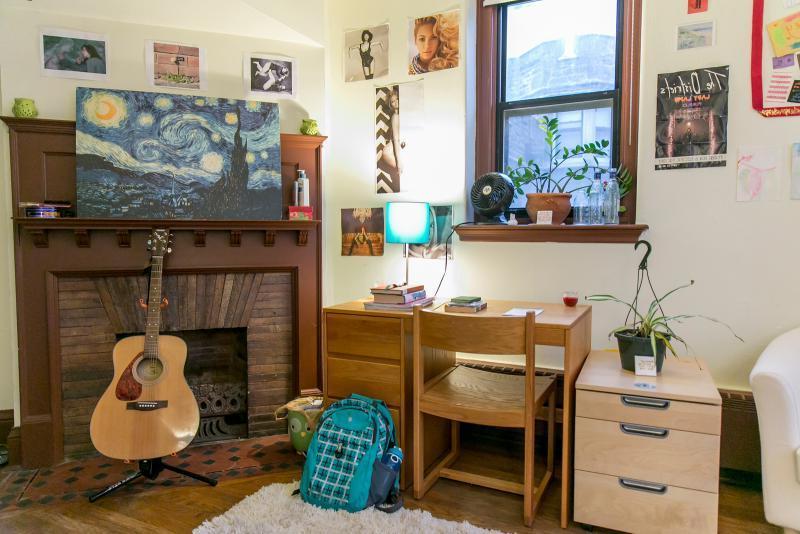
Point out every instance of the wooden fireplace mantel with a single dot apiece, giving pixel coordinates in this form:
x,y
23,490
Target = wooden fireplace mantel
x,y
46,250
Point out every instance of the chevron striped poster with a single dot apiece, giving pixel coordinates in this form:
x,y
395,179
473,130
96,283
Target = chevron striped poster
x,y
398,142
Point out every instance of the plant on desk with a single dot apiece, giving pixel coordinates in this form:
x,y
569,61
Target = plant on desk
x,y
649,333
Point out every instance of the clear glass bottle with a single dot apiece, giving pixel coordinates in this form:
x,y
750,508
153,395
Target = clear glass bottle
x,y
580,207
611,204
596,198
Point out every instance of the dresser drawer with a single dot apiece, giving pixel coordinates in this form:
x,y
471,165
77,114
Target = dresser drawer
x,y
680,415
637,506
345,376
373,337
667,456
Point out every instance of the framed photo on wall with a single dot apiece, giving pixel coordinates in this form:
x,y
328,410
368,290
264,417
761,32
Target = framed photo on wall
x,y
269,76
176,65
73,54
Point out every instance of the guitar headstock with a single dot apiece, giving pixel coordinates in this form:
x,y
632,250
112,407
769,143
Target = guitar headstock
x,y
159,242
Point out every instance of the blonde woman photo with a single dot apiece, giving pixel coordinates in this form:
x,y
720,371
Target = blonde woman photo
x,y
433,42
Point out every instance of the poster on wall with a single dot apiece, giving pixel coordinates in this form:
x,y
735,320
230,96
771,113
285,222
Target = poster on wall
x,y
692,119
175,65
433,42
775,58
757,171
71,54
362,232
269,76
165,156
366,53
399,131
437,247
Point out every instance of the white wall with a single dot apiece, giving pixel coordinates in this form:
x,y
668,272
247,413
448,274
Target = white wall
x,y
55,98
742,255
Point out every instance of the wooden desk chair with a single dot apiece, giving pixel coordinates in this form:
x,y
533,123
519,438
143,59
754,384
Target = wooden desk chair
x,y
461,394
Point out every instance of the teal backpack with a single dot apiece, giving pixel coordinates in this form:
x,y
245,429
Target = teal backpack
x,y
345,456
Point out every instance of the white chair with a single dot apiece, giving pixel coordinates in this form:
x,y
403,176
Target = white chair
x,y
775,380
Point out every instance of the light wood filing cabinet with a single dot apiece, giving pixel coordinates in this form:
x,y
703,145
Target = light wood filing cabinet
x,y
647,448
370,352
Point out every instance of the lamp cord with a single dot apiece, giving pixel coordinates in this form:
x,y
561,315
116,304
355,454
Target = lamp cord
x,y
446,255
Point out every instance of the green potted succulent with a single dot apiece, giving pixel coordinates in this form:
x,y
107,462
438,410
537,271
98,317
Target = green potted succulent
x,y
651,332
552,193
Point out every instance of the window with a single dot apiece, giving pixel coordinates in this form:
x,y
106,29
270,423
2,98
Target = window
x,y
564,59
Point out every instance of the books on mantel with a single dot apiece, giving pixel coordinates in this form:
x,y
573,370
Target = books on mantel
x,y
465,304
47,209
398,298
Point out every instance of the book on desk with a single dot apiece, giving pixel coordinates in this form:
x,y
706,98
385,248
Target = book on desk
x,y
394,297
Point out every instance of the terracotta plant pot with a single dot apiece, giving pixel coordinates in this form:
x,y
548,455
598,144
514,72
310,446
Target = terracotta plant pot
x,y
558,203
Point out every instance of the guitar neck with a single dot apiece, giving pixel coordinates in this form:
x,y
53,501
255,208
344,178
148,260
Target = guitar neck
x,y
153,324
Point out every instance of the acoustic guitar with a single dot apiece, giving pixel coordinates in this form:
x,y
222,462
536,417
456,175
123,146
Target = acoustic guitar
x,y
148,410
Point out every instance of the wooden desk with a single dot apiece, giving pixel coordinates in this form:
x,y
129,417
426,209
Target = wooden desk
x,y
558,326
369,352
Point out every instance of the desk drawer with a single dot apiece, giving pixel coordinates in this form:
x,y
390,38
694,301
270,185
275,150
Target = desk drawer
x,y
379,380
374,337
680,415
632,506
674,457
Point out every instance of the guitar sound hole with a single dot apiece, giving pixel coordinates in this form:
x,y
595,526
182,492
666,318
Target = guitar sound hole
x,y
149,369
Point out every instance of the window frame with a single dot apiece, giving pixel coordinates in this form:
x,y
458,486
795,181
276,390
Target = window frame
x,y
490,56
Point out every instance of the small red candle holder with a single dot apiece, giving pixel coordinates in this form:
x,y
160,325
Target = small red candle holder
x,y
570,298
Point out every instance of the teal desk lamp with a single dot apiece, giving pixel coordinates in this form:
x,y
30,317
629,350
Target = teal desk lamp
x,y
408,223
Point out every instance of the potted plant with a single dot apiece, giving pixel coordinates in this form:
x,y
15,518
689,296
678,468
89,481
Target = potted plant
x,y
651,332
551,192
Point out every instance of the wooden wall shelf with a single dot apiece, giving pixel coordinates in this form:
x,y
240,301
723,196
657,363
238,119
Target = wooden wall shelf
x,y
39,228
539,233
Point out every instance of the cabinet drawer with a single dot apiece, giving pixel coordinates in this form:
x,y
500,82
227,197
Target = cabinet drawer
x,y
680,415
378,380
633,506
374,337
667,456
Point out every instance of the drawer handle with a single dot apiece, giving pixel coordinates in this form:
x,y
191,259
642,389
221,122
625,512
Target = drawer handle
x,y
644,402
638,485
641,430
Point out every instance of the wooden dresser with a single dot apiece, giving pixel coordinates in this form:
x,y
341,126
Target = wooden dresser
x,y
370,352
647,448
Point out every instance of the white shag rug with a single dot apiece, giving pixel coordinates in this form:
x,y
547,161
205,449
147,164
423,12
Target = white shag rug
x,y
273,508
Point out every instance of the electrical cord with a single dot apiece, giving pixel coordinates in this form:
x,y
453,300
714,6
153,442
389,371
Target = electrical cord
x,y
446,255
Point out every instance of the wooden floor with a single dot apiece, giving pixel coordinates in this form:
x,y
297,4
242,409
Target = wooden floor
x,y
180,509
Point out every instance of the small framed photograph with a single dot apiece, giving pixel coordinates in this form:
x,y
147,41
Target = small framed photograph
x,y
73,54
696,35
175,65
268,76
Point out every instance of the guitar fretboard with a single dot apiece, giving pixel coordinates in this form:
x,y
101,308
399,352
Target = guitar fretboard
x,y
153,324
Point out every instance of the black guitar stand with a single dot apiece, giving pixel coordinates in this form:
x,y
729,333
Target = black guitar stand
x,y
150,470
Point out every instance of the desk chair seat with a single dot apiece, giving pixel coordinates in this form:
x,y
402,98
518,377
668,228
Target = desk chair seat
x,y
482,397
460,394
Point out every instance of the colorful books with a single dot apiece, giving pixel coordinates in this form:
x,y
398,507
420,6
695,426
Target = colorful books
x,y
393,289
383,298
398,307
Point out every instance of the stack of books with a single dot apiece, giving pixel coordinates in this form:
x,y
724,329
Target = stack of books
x,y
465,305
398,298
47,209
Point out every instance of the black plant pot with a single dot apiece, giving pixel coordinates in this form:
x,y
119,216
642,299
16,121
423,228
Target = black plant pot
x,y
631,345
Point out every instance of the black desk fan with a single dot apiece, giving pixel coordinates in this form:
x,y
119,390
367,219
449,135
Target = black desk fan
x,y
491,196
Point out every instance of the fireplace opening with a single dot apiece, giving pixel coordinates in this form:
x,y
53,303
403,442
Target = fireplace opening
x,y
216,371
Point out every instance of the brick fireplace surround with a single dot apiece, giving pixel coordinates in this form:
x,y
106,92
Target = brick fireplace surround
x,y
77,281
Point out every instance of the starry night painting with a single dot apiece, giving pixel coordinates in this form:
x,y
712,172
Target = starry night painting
x,y
165,156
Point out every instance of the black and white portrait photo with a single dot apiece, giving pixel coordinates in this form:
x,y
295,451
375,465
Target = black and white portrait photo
x,y
269,75
366,53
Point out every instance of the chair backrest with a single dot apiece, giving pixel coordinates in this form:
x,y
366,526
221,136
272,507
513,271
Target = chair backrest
x,y
474,333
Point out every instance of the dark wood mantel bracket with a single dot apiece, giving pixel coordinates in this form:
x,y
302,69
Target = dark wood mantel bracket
x,y
82,228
